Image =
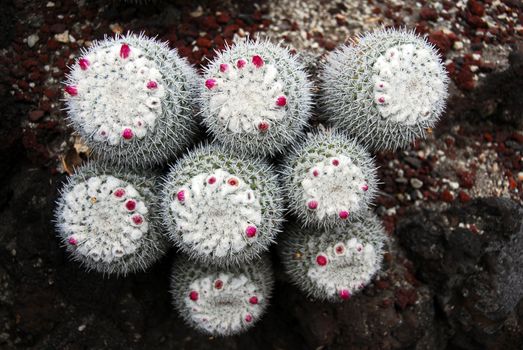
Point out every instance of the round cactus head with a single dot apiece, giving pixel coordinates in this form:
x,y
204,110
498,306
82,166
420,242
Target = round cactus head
x,y
221,302
334,264
386,89
255,98
106,220
329,180
221,208
132,99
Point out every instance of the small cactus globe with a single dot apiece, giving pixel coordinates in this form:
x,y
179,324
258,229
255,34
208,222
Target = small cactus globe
x,y
255,98
106,220
221,302
333,264
329,179
386,89
220,208
132,99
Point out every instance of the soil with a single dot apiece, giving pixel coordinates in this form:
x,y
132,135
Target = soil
x,y
469,167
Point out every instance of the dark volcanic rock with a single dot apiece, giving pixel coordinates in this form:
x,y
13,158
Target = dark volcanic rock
x,y
470,256
501,96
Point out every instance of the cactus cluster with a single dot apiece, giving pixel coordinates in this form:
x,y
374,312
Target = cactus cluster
x,y
329,179
135,103
255,98
386,89
133,100
334,264
221,208
106,220
221,301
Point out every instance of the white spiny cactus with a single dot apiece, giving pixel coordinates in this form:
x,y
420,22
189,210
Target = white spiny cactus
x,y
107,220
333,264
221,208
132,99
329,179
256,98
221,302
385,89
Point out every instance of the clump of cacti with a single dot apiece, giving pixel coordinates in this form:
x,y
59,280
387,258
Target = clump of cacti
x,y
329,179
255,98
132,99
222,301
386,89
221,208
334,264
106,219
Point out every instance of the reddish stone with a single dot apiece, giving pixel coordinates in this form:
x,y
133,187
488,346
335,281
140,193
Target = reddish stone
x,y
184,51
229,30
475,21
239,22
58,28
451,68
512,184
209,23
29,63
223,18
465,79
466,179
35,76
60,63
53,44
45,106
428,14
405,297
218,41
488,137
36,115
22,84
88,14
446,196
204,42
330,45
463,197
474,229
187,30
441,41
409,276
421,28
382,284
517,137
389,224
476,8
50,93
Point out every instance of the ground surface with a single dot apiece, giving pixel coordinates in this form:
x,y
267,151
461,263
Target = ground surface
x,y
453,281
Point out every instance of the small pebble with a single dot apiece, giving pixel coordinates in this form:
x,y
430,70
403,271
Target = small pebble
x,y
32,40
416,183
82,327
458,45
62,37
453,185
